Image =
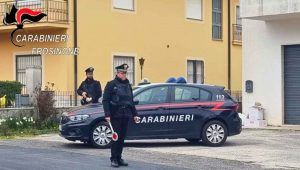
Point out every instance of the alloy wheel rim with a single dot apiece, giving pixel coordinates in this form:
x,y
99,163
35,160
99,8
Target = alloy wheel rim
x,y
215,133
102,135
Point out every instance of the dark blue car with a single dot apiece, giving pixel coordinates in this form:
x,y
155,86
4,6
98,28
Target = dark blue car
x,y
167,111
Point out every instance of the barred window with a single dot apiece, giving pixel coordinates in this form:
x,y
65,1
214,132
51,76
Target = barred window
x,y
22,63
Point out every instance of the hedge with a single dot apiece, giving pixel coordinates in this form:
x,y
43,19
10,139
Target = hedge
x,y
10,89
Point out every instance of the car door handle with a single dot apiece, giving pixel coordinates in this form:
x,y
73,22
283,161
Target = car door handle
x,y
206,107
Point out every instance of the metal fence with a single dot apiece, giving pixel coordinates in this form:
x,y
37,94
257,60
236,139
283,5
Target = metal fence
x,y
237,96
56,10
66,99
62,99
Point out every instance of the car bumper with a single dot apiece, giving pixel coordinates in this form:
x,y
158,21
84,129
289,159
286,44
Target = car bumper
x,y
75,131
235,127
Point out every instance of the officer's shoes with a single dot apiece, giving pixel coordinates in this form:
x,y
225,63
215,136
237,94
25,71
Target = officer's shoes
x,y
122,162
114,164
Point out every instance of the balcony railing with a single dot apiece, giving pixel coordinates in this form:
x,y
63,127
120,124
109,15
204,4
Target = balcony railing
x,y
237,33
56,10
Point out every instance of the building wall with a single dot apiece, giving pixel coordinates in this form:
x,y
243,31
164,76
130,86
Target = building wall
x,y
236,54
146,32
263,63
52,65
57,69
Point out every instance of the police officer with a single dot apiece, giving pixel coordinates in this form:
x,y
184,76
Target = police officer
x,y
119,108
90,89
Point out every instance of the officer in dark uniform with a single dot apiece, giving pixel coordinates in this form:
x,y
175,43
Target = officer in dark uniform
x,y
119,108
90,89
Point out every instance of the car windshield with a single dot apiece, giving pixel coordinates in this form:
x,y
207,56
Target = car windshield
x,y
135,88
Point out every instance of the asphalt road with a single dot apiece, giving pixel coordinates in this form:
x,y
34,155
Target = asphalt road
x,y
253,149
34,154
13,158
24,158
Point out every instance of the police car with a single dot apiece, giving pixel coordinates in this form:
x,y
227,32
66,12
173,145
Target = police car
x,y
167,111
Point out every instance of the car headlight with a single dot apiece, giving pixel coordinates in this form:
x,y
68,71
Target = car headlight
x,y
64,114
76,118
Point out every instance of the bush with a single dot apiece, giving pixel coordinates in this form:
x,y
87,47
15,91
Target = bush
x,y
45,103
26,126
10,89
7,126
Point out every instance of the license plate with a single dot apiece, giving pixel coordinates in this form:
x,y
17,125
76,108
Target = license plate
x,y
59,127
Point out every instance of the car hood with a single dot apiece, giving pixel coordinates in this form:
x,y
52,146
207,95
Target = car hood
x,y
95,108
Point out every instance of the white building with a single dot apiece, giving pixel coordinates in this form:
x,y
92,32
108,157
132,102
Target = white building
x,y
271,58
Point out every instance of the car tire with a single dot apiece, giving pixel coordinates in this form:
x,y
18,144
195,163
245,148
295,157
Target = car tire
x,y
193,140
100,136
214,133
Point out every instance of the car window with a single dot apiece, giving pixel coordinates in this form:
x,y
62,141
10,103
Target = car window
x,y
153,95
186,94
205,95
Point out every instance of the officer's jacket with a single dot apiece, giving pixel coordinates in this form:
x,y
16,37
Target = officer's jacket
x,y
92,88
118,99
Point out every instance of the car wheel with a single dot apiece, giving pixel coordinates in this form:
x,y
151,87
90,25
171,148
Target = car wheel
x,y
193,140
214,133
101,135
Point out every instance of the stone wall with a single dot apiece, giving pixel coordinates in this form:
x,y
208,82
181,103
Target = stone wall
x,y
28,112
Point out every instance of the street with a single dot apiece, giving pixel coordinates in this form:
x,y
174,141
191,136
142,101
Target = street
x,y
253,149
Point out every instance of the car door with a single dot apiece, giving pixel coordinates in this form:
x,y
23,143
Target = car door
x,y
189,104
153,103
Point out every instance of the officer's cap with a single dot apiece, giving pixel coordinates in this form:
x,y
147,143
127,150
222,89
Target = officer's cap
x,y
122,68
89,70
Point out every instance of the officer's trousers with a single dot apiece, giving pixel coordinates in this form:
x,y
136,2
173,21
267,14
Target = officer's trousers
x,y
119,126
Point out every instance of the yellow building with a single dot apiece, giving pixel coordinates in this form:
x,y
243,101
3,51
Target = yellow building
x,y
186,38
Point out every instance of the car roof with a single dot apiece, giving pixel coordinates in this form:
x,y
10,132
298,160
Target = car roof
x,y
205,86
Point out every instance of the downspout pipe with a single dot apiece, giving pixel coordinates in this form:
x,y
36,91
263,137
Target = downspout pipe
x,y
229,45
75,46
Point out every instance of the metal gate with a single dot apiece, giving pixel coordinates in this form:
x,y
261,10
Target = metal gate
x,y
24,61
292,84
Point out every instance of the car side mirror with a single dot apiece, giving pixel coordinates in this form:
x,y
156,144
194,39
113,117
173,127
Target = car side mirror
x,y
136,101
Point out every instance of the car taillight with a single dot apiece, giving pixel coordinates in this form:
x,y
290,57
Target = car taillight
x,y
236,107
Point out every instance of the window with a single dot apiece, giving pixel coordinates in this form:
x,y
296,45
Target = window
x,y
238,15
22,63
195,71
186,94
119,60
153,96
124,4
217,19
32,4
194,9
190,94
